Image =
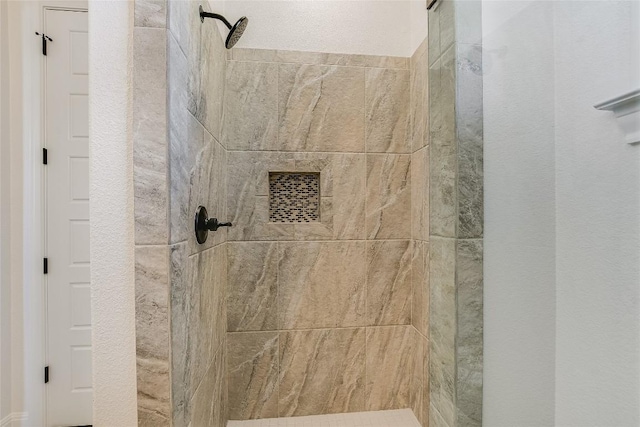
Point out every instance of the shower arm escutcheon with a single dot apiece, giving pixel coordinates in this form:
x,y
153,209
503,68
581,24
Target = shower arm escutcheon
x,y
204,224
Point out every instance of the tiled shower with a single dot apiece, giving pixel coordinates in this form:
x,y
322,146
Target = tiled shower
x,y
320,298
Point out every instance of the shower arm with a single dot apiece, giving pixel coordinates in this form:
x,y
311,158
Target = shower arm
x,y
204,14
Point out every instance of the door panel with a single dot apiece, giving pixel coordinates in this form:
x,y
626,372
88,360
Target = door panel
x,y
69,391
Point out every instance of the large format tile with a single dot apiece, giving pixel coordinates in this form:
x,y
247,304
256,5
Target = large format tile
x,y
207,187
212,68
470,184
387,110
247,195
420,194
150,13
342,192
388,196
469,333
250,116
181,358
318,58
420,287
443,153
390,357
198,321
186,147
185,28
418,101
342,188
253,375
253,281
321,371
152,335
209,403
388,282
442,327
321,284
150,136
321,108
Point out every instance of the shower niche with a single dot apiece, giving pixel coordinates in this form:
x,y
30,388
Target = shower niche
x,y
294,197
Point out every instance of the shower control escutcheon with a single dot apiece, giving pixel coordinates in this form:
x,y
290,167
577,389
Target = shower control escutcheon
x,y
204,224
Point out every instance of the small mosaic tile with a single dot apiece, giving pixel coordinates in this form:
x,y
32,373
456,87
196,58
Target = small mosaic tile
x,y
294,197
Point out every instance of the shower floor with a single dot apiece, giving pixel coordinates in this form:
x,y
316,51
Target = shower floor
x,y
394,418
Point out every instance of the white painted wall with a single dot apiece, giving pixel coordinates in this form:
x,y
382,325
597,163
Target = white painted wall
x,y
597,218
562,237
379,27
112,230
519,257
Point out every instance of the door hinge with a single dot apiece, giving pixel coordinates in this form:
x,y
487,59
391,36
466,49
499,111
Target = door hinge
x,y
44,156
46,374
45,38
45,265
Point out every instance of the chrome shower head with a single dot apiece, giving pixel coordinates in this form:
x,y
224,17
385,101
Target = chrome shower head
x,y
235,31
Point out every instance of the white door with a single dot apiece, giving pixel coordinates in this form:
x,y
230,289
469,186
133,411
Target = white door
x,y
69,390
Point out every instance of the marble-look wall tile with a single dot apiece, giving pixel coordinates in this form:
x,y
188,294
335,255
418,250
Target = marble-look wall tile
x,y
250,116
424,417
209,403
443,154
212,68
322,371
186,146
389,366
152,335
442,326
321,108
185,27
253,281
420,287
388,282
150,13
388,196
470,333
318,58
387,111
417,389
420,194
150,136
321,284
198,321
447,25
469,133
435,419
207,187
434,36
181,339
342,191
247,195
419,101
253,375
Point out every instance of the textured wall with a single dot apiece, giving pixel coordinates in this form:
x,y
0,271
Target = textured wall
x,y
319,314
111,234
455,214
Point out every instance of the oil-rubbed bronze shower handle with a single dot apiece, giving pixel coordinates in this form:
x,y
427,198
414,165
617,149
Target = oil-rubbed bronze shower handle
x,y
213,224
204,224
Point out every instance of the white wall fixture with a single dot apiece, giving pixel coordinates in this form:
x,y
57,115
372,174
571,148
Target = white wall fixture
x,y
626,107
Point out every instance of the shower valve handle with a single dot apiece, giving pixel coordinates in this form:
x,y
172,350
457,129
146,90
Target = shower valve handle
x,y
204,224
213,224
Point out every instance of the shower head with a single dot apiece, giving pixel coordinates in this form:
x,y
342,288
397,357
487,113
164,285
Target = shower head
x,y
235,30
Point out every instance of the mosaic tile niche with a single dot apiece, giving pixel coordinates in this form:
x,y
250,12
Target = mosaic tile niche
x,y
294,197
